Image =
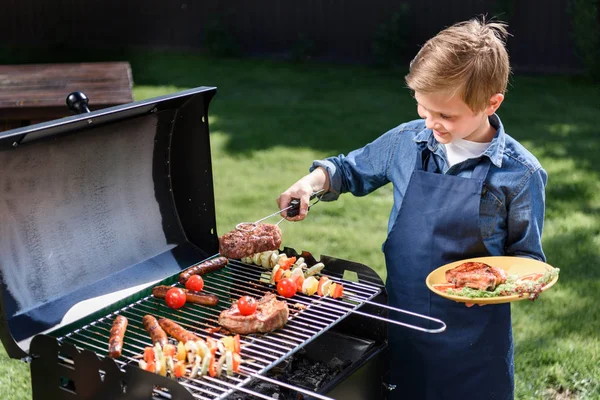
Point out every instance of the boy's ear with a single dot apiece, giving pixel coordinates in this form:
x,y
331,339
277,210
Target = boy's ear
x,y
494,103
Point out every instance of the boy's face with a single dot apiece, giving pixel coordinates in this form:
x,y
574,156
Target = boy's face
x,y
450,118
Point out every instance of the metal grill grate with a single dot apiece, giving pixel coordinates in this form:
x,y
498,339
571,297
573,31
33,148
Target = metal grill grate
x,y
309,317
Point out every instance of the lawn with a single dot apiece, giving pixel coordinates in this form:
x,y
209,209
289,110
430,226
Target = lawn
x,y
269,120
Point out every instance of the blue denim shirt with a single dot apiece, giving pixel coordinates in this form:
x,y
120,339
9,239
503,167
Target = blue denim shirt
x,y
513,199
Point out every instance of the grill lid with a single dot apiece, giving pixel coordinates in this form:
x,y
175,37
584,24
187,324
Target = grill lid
x,y
99,205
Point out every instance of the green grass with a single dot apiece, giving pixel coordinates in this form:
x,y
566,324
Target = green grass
x,y
269,121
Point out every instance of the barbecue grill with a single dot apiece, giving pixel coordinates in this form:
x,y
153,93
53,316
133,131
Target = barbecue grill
x,y
100,207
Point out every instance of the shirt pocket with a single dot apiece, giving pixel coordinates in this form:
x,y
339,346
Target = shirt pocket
x,y
490,212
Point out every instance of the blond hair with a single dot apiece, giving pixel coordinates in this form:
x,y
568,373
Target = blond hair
x,y
468,59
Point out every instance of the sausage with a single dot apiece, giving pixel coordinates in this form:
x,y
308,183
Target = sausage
x,y
117,332
154,330
178,332
203,268
190,297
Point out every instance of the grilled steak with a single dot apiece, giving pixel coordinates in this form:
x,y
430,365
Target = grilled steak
x,y
243,243
476,275
270,314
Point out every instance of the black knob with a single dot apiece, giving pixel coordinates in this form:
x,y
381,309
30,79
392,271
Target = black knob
x,y
78,103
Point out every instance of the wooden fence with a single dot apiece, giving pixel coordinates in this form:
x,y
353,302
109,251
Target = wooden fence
x,y
333,30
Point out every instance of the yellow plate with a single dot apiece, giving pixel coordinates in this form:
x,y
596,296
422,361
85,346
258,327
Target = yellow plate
x,y
511,265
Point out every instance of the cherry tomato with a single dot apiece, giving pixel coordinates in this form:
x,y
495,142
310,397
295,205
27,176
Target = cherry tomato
x,y
247,305
286,287
195,283
175,298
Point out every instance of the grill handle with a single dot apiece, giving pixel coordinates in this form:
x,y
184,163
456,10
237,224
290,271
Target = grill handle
x,y
391,321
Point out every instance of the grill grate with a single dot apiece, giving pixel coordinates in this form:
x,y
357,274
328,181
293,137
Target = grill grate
x,y
314,316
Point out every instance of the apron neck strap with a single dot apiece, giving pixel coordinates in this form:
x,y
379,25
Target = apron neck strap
x,y
424,160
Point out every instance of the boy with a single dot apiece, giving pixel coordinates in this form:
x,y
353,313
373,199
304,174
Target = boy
x,y
462,188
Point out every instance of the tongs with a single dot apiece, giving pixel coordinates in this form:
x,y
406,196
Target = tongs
x,y
292,210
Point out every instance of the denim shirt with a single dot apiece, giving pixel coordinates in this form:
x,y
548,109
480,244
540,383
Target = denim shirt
x,y
511,213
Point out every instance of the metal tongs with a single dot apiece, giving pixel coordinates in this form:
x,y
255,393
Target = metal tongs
x,y
293,209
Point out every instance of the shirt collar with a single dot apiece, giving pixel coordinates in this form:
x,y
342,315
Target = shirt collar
x,y
494,152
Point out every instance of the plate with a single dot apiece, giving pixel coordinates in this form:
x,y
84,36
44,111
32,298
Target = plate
x,y
511,265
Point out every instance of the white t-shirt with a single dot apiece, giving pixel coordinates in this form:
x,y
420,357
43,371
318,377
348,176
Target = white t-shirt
x,y
460,150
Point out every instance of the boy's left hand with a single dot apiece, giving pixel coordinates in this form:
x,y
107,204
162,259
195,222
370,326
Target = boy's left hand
x,y
472,304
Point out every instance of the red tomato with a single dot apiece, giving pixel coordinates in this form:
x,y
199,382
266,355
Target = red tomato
x,y
175,298
286,287
247,305
195,283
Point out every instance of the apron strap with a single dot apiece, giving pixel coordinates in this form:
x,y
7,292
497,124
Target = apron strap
x,y
422,162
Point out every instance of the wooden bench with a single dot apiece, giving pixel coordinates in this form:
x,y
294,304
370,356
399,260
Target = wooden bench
x,y
37,92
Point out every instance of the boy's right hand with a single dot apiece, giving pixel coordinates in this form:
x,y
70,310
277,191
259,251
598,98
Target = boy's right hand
x,y
472,304
302,190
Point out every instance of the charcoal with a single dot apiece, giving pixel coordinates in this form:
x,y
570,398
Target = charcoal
x,y
337,364
297,370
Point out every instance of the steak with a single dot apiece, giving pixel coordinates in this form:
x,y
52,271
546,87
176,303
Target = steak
x,y
244,243
476,275
270,314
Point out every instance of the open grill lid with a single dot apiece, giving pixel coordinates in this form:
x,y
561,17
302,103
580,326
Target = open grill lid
x,y
101,204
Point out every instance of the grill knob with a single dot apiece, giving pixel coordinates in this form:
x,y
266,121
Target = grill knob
x,y
78,103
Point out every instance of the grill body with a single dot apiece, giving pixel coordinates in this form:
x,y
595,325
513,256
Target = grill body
x,y
111,203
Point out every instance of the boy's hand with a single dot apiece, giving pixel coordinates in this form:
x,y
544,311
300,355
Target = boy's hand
x,y
472,304
301,190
